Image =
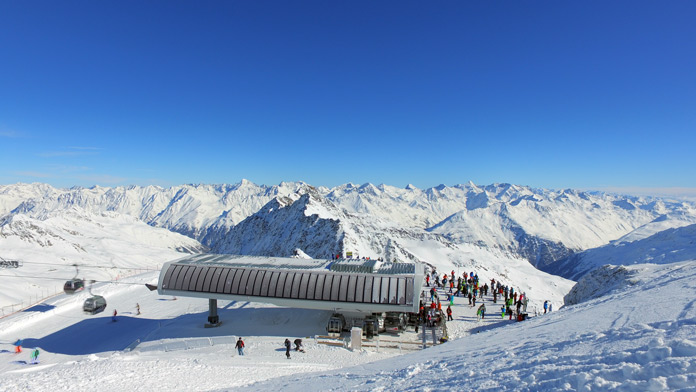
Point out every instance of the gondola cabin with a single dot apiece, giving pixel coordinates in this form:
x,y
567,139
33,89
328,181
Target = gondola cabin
x,y
94,304
73,285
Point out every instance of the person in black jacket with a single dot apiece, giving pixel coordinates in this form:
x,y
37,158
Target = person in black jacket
x,y
298,345
287,348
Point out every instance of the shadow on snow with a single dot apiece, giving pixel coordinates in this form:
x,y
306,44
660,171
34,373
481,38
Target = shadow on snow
x,y
100,334
41,308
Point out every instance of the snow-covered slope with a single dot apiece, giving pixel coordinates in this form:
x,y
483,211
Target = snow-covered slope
x,y
661,246
641,338
106,245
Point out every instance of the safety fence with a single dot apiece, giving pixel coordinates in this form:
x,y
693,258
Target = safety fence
x,y
184,344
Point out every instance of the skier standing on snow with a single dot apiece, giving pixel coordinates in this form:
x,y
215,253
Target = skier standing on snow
x,y
287,348
35,356
137,308
113,318
481,312
546,306
240,346
524,304
18,346
449,314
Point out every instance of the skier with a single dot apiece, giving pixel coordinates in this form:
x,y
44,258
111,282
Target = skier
x,y
546,306
298,345
449,314
113,318
287,348
481,312
524,304
18,346
137,308
519,305
502,312
35,356
240,346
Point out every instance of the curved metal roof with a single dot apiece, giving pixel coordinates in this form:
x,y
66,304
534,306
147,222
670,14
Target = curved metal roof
x,y
292,282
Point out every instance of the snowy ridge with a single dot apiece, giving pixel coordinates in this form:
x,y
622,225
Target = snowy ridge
x,y
542,226
664,246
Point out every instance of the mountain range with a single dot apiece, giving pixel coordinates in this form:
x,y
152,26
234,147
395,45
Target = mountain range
x,y
494,227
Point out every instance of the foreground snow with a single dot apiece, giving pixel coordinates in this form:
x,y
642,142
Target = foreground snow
x,y
639,338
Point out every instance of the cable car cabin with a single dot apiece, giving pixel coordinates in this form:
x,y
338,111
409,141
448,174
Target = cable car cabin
x,y
73,285
94,304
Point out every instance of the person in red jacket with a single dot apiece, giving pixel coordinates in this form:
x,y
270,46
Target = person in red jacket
x,y
240,346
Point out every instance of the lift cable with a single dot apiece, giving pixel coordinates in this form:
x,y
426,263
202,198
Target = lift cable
x,y
89,266
63,279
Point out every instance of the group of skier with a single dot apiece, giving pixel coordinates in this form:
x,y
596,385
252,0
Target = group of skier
x,y
469,286
33,355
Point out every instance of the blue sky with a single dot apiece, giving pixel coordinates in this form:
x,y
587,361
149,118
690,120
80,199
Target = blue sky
x,y
589,95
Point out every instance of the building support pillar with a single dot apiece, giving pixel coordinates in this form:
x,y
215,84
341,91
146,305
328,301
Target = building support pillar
x,y
213,319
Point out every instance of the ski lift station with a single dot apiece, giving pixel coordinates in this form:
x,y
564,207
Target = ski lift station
x,y
350,287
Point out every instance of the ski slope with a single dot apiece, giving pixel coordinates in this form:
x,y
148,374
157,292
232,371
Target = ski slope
x,y
637,338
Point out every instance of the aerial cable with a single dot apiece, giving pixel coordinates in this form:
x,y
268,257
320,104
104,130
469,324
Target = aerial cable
x,y
62,279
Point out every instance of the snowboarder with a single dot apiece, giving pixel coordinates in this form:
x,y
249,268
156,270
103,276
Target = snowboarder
x,y
35,356
240,346
113,318
298,345
449,314
546,306
287,348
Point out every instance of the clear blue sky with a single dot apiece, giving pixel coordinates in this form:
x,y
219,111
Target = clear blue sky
x,y
554,94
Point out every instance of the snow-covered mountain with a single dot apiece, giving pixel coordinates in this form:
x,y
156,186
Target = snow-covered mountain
x,y
493,230
542,226
660,242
